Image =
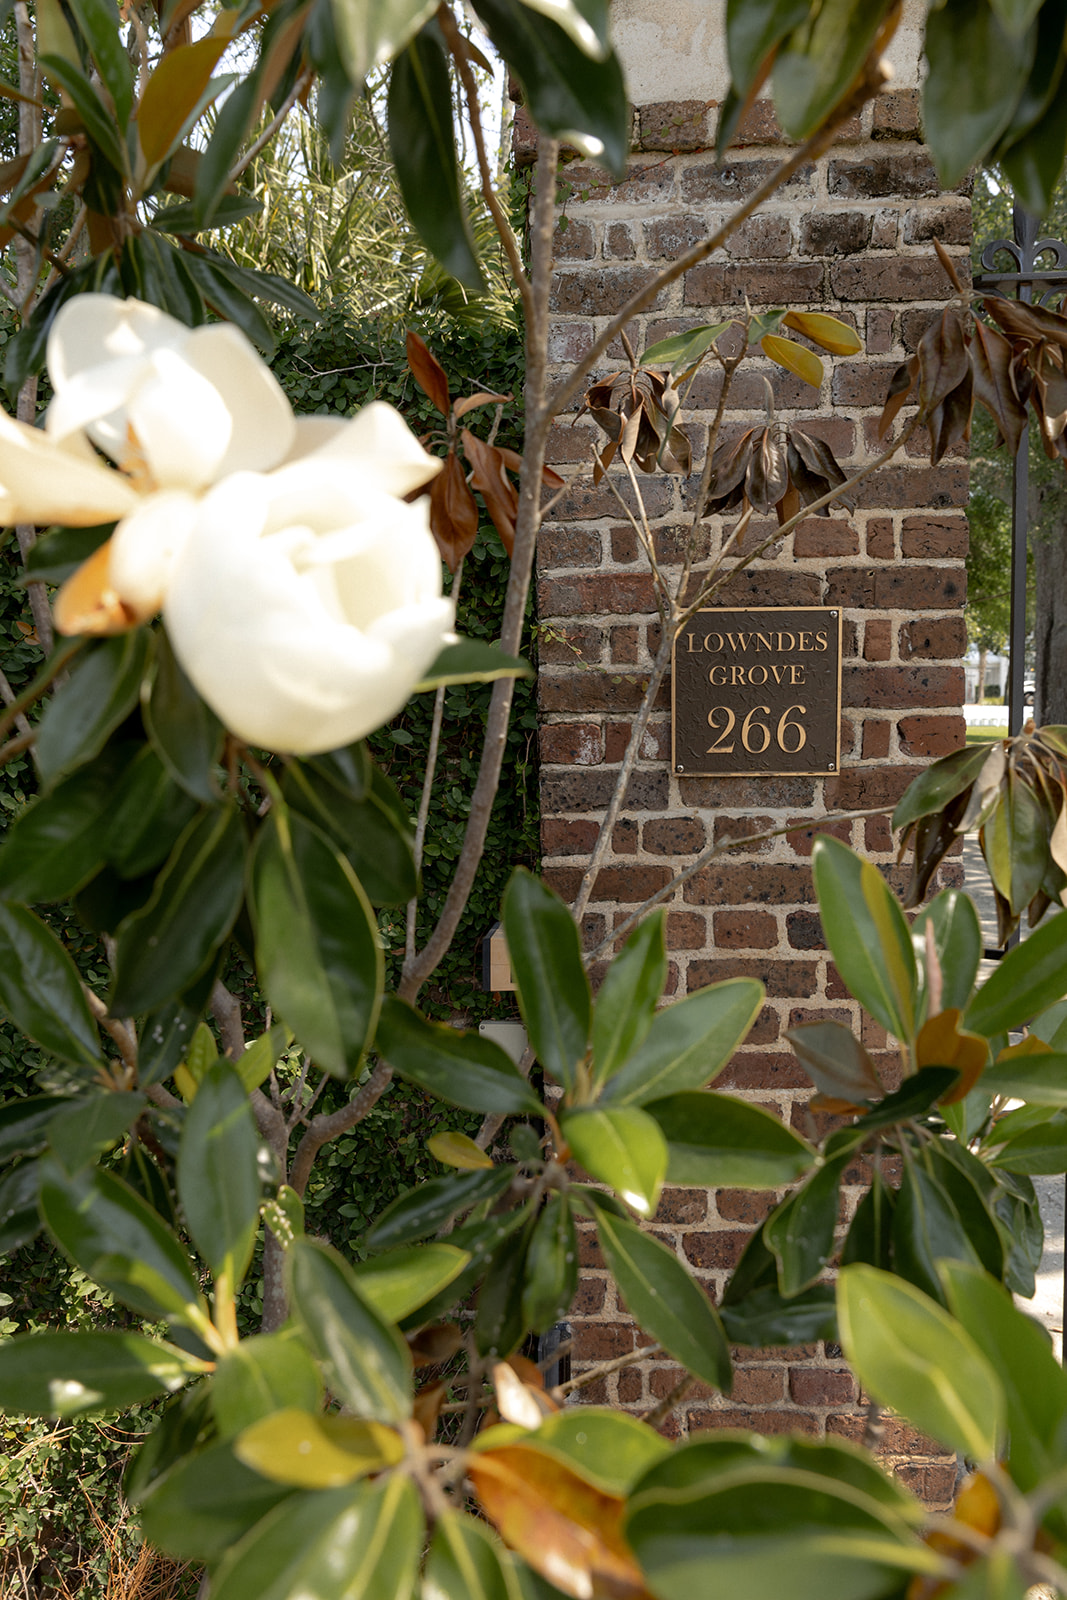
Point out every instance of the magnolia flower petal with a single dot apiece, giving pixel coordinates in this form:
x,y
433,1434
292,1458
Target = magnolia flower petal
x,y
267,642
181,423
89,603
312,433
379,439
42,483
94,401
263,428
93,331
145,545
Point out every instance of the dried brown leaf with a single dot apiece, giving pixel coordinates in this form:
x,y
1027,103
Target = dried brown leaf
x,y
427,372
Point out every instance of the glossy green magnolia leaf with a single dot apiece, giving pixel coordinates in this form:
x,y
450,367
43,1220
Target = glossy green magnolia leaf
x,y
186,735
939,783
97,120
835,1061
217,1173
165,946
100,694
500,1324
66,1374
422,1211
1039,1080
551,1266
926,1227
568,95
199,1508
24,1123
584,21
260,1057
55,845
422,145
764,1317
472,661
480,1240
958,944
666,1301
911,1355
20,1219
365,819
682,350
609,1449
753,29
148,813
86,1127
399,1282
765,1530
626,1002
119,1241
260,1376
974,1191
688,1043
722,1143
1033,163
317,949
459,1067
1036,1151
622,1147
867,934
1025,982
366,1362
368,36
818,62
467,1562
1034,1383
40,989
334,1544
310,1451
1015,843
546,958
977,70
913,1099
801,1231
61,551
870,1231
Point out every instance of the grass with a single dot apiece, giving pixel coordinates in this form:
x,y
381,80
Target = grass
x,y
984,735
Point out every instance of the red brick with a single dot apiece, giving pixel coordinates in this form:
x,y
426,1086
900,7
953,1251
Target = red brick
x,y
710,1250
835,233
567,644
880,539
783,980
904,686
820,1386
686,930
569,341
589,1297
592,691
896,115
920,588
875,740
601,291
761,238
931,736
730,828
583,503
572,743
804,930
567,547
758,1386
730,793
934,536
615,592
562,838
950,224
759,125
655,745
623,644
619,241
686,1206
820,536
673,125
879,339
792,282
745,1205
631,1388
884,177
643,184
806,833
759,1069
904,487
573,241
784,1421
589,1249
674,836
877,639
583,790
750,883
624,837
745,930
936,638
710,180
862,383
667,238
877,835
629,885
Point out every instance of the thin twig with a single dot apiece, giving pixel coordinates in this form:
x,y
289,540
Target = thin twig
x,y
427,786
15,747
7,694
120,1032
457,44
659,1413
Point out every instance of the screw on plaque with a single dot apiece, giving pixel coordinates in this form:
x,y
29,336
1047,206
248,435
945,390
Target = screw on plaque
x,y
679,768
829,766
833,613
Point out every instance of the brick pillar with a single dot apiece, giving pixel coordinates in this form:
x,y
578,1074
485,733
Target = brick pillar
x,y
852,237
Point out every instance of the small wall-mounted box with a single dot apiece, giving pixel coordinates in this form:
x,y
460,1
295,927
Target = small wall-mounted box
x,y
496,962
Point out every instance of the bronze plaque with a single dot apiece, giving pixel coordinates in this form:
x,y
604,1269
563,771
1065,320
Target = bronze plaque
x,y
757,692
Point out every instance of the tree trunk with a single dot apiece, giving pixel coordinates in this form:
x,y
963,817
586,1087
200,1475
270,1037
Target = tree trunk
x,y
1050,627
979,693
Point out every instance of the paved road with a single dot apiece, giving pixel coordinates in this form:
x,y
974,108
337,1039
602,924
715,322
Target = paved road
x,y
1047,1304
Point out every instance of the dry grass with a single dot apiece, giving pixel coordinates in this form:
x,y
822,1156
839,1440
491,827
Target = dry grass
x,y
142,1575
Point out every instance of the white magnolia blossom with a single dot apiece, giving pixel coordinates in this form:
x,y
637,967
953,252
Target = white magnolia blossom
x,y
301,592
